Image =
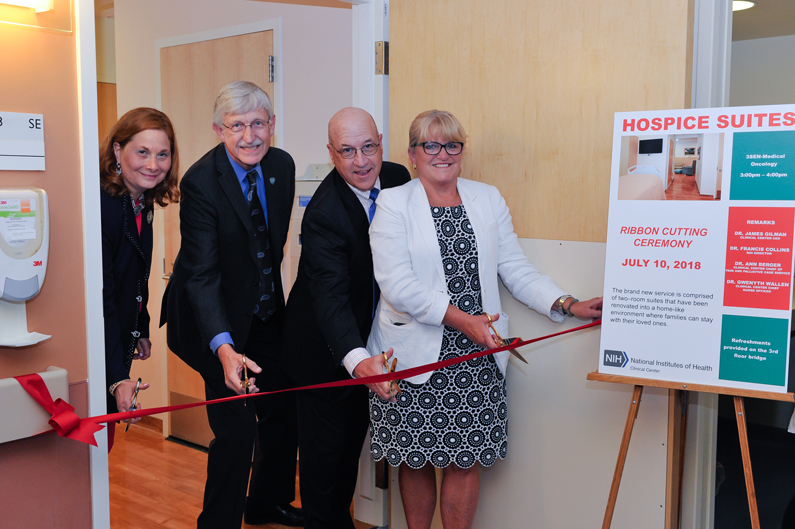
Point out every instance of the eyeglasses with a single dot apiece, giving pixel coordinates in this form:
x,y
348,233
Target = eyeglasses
x,y
368,149
434,147
134,406
257,125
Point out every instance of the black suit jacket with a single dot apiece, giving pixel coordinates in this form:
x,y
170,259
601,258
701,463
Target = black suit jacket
x,y
330,310
126,259
213,287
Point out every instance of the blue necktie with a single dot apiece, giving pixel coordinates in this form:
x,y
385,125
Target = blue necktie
x,y
373,195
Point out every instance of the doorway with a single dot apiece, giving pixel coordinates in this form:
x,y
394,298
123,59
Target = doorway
x,y
191,74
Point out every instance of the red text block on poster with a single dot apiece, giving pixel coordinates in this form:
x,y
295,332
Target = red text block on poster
x,y
759,258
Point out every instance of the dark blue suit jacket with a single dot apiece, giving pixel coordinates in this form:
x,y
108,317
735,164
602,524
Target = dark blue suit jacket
x,y
213,286
126,260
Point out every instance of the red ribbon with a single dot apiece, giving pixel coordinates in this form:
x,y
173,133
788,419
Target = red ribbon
x,y
85,428
64,420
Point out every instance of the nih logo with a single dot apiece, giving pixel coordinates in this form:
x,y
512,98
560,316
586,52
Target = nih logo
x,y
615,358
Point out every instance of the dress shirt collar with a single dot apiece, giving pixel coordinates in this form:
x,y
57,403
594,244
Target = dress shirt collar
x,y
364,196
239,171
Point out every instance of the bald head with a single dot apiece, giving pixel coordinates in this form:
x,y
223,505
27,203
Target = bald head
x,y
350,130
348,118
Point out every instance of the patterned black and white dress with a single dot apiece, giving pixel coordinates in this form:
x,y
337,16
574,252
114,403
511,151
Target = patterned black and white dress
x,y
460,414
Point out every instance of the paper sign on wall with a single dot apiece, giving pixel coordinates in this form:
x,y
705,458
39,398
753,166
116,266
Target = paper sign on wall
x,y
699,261
21,141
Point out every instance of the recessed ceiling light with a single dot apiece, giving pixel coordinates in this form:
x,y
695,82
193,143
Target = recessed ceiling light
x,y
739,5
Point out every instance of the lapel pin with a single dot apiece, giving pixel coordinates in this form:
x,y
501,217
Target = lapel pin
x,y
272,180
149,217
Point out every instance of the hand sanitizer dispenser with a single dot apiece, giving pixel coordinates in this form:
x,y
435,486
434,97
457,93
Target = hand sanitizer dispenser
x,y
24,243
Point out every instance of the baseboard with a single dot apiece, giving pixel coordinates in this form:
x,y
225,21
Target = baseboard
x,y
151,423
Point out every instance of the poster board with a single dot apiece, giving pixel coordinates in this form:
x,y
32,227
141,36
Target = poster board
x,y
699,258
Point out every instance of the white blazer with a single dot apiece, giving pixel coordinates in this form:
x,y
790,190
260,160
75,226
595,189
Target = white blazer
x,y
408,267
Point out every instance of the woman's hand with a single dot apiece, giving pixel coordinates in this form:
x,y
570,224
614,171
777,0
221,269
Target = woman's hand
x,y
375,366
587,310
124,395
476,328
144,348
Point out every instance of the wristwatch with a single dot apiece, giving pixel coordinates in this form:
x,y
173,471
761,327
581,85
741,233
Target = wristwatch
x,y
559,304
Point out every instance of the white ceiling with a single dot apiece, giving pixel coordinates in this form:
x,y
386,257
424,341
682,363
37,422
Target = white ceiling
x,y
769,18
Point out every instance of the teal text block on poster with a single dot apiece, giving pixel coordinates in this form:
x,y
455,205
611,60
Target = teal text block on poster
x,y
753,350
763,166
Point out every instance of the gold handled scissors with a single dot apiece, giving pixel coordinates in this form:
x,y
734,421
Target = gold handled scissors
x,y
245,383
134,401
502,342
392,384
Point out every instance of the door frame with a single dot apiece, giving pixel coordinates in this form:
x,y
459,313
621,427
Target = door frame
x,y
273,24
712,41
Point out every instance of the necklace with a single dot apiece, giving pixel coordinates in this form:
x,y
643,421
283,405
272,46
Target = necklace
x,y
139,207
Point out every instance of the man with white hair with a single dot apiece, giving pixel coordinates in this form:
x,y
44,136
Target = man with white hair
x,y
225,309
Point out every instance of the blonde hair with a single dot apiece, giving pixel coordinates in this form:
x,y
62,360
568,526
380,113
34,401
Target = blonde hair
x,y
433,122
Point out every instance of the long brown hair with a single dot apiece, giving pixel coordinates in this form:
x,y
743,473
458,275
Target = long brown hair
x,y
130,124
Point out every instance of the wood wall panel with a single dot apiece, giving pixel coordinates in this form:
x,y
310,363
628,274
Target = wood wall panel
x,y
106,108
535,85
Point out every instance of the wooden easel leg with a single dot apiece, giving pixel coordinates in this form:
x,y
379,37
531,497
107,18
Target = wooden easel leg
x,y
622,456
677,435
739,408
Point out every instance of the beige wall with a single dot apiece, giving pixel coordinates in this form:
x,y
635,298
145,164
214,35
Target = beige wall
x,y
45,480
39,77
536,84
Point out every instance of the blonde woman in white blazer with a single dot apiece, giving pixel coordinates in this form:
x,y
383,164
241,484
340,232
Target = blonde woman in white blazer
x,y
439,243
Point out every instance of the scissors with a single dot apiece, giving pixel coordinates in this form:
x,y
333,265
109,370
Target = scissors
x,y
245,383
392,384
501,342
133,407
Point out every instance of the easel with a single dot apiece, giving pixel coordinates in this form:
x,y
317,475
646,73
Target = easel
x,y
739,408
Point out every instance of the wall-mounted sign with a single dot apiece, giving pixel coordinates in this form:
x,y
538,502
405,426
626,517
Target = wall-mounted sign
x,y
698,278
21,142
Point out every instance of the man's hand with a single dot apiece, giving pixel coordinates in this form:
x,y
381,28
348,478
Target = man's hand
x,y
144,348
124,396
233,369
375,366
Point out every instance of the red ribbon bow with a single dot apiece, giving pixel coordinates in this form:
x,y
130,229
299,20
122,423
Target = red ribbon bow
x,y
64,420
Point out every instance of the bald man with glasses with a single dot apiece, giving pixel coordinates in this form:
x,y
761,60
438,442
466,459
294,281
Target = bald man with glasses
x,y
329,315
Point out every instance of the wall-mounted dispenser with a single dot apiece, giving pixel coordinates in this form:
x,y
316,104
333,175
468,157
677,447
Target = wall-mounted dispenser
x,y
24,244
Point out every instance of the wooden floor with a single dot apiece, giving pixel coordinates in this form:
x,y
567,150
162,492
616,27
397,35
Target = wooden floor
x,y
684,187
156,483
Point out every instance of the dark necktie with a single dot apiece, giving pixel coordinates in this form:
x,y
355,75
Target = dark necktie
x,y
373,195
266,305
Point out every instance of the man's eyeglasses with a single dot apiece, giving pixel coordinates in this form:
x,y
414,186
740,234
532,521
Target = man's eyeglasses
x,y
368,149
434,147
258,125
